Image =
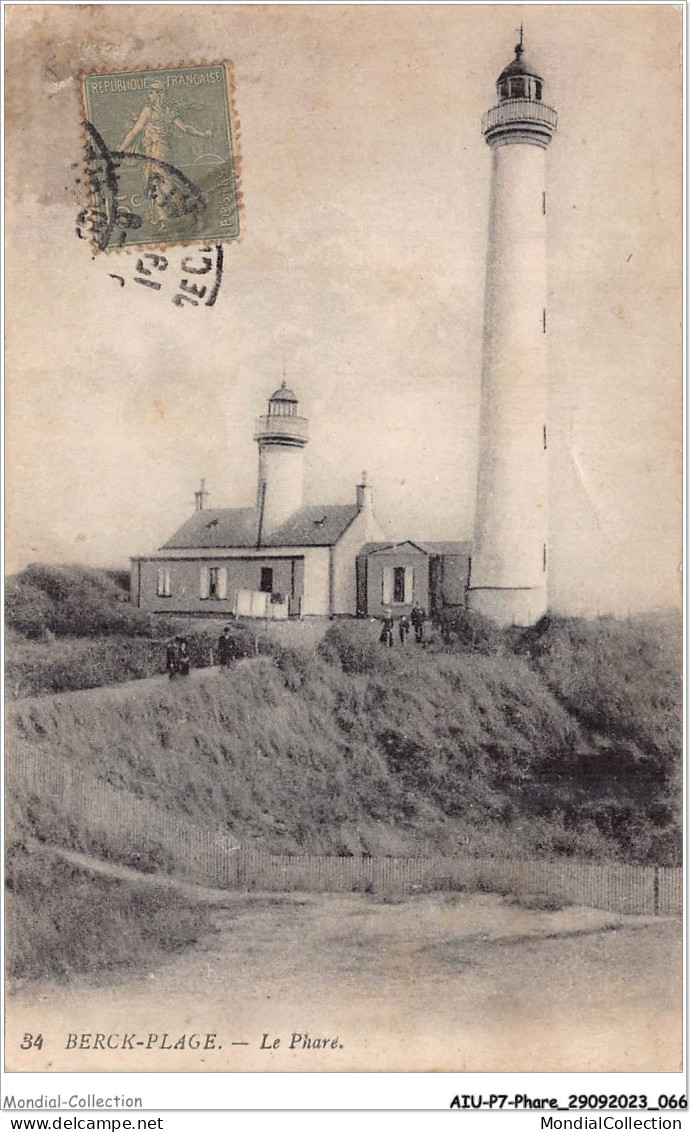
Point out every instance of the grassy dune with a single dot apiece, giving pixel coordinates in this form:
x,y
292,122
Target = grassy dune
x,y
562,740
69,627
62,919
523,749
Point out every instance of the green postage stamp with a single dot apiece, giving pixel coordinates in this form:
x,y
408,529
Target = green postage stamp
x,y
161,167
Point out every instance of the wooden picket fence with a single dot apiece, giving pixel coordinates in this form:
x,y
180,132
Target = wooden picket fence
x,y
130,828
629,889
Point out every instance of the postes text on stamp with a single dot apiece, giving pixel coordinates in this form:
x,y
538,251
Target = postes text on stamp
x,y
160,156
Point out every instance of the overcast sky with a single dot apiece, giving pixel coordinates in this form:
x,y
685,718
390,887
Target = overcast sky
x,y
361,268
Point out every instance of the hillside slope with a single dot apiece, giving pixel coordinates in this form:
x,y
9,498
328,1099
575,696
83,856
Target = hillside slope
x,y
534,745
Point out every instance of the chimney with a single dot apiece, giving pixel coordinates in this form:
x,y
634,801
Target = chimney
x,y
200,496
364,494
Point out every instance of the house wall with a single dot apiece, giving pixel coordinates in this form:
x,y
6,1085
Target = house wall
x,y
391,558
310,574
364,528
455,570
316,597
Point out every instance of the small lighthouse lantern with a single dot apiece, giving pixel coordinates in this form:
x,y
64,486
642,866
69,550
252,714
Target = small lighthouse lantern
x,y
283,403
281,420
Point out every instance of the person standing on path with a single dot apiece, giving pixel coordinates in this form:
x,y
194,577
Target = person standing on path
x,y
172,658
403,629
386,637
418,616
183,657
225,648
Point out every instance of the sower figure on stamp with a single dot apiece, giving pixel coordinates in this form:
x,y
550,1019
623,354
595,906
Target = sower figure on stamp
x,y
155,128
386,637
225,648
417,616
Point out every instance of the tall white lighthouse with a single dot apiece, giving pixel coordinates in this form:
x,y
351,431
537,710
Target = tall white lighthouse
x,y
508,580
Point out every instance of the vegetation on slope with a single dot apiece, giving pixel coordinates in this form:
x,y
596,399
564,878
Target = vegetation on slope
x,y
62,919
362,749
72,601
560,740
70,627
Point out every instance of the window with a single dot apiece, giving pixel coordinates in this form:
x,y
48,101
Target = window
x,y
267,580
544,556
213,581
397,585
544,204
538,91
517,88
544,437
544,320
163,582
504,90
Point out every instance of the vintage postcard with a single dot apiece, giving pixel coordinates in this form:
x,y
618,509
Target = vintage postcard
x,y
342,598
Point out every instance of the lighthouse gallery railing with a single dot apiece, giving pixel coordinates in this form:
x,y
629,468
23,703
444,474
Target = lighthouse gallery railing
x,y
275,425
519,110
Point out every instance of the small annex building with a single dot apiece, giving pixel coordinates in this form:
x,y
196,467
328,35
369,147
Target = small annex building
x,y
399,575
280,558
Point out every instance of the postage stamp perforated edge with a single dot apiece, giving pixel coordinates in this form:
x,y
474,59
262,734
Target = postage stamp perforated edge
x,y
235,144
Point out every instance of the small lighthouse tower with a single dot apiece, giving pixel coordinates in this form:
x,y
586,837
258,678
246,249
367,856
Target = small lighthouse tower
x,y
508,579
281,435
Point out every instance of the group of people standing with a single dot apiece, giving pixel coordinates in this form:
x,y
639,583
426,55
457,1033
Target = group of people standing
x,y
178,658
417,620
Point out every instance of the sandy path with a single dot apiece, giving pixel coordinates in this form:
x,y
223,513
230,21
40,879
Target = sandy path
x,y
129,689
431,983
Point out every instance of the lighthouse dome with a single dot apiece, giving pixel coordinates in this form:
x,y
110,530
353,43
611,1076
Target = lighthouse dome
x,y
519,79
284,394
519,66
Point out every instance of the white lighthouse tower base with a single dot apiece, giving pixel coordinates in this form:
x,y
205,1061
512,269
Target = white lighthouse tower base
x,y
510,607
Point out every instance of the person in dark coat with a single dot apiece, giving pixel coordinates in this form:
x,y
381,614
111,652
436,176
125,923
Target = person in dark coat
x,y
386,637
173,658
183,657
403,629
417,616
225,647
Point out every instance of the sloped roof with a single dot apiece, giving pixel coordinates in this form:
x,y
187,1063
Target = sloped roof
x,y
376,547
461,548
316,525
429,548
227,526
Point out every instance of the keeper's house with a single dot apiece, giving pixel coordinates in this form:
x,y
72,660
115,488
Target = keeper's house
x,y
397,576
279,558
